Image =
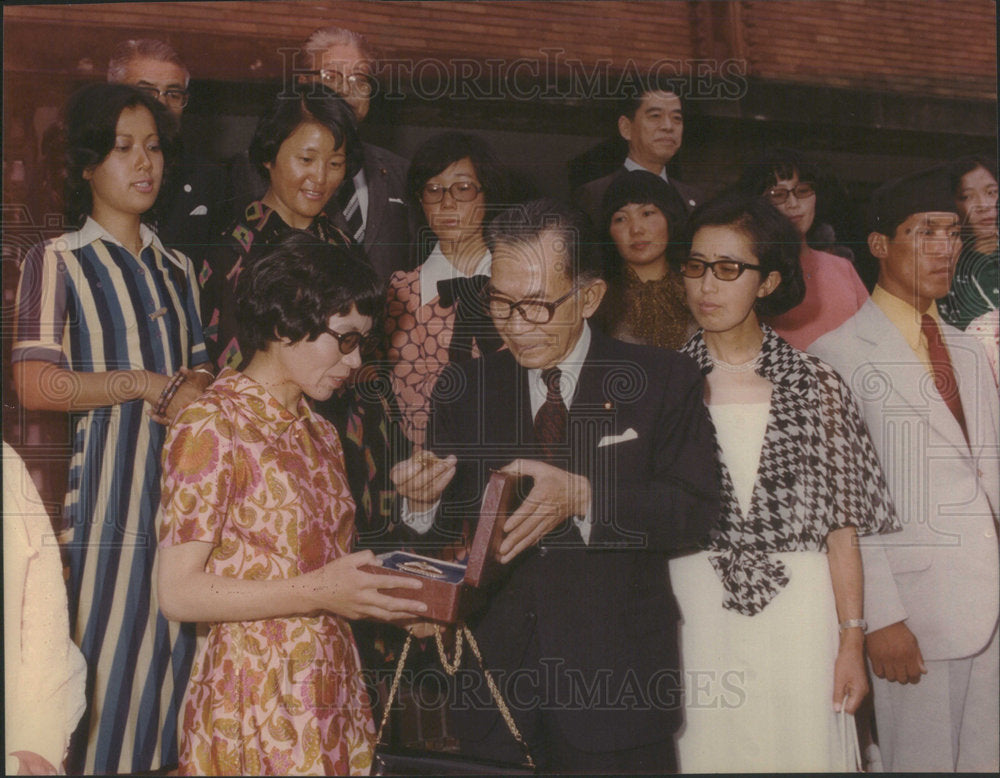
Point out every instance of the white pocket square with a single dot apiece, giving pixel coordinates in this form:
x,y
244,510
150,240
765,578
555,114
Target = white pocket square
x,y
610,440
396,200
200,210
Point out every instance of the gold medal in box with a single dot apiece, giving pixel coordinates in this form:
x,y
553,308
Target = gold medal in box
x,y
450,589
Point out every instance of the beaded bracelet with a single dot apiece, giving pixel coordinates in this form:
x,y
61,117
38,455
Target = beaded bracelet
x,y
168,394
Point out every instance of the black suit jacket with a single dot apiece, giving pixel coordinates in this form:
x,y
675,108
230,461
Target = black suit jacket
x,y
588,198
390,222
603,614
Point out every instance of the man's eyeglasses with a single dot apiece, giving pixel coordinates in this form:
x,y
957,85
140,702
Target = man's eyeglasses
x,y
723,269
176,98
779,194
460,191
348,341
533,311
358,83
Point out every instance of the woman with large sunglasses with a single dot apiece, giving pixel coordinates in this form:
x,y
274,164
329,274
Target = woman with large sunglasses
x,y
834,291
435,313
257,526
772,633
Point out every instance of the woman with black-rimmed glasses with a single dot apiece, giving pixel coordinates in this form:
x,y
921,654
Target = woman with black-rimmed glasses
x,y
435,314
834,291
768,669
257,524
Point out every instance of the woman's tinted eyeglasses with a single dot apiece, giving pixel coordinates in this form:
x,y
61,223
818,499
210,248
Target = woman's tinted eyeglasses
x,y
348,341
723,269
460,191
779,194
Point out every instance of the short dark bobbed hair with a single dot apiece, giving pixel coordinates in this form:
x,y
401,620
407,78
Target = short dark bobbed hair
x,y
439,151
640,187
774,240
959,167
312,103
523,225
92,115
294,285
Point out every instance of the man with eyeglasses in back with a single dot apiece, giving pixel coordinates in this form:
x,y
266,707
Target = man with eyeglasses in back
x,y
189,210
372,207
581,636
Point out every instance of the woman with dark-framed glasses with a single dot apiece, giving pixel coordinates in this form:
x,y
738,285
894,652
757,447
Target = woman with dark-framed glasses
x,y
435,313
834,291
772,609
256,528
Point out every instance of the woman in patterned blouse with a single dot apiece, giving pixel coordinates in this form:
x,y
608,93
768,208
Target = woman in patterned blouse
x,y
305,147
645,300
257,525
434,314
800,478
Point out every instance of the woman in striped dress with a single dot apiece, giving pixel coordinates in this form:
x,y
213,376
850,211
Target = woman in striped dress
x,y
108,328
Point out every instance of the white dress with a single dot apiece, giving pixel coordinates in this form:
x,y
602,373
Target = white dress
x,y
758,690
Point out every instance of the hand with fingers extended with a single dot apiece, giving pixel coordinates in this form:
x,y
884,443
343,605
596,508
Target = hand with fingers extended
x,y
555,496
343,588
895,654
422,478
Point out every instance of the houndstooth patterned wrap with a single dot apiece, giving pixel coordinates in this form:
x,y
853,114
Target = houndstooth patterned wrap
x,y
818,472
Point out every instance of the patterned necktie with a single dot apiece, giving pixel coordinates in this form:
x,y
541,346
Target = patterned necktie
x,y
350,206
472,321
944,376
550,421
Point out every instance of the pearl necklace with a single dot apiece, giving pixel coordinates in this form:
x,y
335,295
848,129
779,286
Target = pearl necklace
x,y
743,367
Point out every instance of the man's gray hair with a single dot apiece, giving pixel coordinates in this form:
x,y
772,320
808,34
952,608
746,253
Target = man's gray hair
x,y
142,48
325,37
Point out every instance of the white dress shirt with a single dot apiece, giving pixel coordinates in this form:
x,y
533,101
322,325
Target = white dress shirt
x,y
631,164
437,268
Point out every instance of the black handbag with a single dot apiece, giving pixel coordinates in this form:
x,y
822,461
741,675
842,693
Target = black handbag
x,y
390,760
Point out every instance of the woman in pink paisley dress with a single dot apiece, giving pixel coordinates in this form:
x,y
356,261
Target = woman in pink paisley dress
x,y
256,528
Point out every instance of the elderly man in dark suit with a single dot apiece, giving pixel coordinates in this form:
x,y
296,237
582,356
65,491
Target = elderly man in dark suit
x,y
582,632
652,122
372,208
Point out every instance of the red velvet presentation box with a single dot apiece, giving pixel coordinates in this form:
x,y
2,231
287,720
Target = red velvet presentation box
x,y
451,589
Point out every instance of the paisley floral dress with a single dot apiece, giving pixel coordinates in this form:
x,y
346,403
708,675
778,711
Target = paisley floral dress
x,y
266,487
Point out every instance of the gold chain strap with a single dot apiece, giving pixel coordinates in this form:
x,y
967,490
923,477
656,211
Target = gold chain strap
x,y
504,711
395,686
451,668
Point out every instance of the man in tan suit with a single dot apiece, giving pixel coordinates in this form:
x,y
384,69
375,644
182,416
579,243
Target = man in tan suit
x,y
931,591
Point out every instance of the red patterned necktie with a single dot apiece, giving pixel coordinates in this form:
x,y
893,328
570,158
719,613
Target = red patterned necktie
x,y
944,376
550,421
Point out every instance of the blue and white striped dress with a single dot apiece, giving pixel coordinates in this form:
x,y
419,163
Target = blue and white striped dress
x,y
87,304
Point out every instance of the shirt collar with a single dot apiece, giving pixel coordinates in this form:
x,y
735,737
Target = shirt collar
x,y
438,268
255,402
92,231
631,164
570,378
904,317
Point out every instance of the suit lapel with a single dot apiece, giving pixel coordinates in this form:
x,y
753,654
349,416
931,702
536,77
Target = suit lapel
x,y
375,177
